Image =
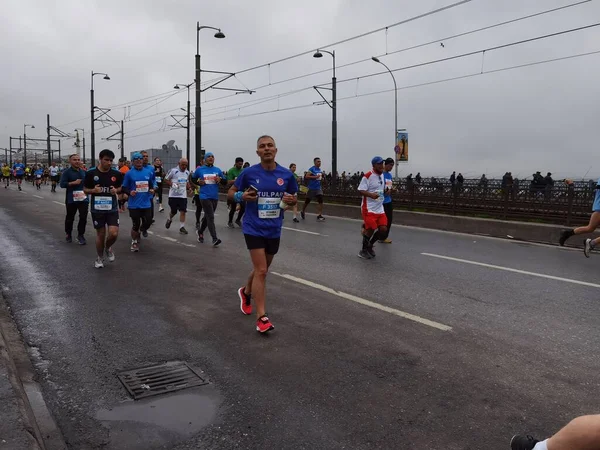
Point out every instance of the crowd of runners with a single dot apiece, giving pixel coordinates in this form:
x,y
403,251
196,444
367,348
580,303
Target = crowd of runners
x,y
259,195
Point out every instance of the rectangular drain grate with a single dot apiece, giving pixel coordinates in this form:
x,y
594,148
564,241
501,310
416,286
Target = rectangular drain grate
x,y
161,379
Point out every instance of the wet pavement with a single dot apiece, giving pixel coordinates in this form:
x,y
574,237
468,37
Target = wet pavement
x,y
354,361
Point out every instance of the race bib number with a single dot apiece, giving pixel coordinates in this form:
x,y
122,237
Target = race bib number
x,y
158,179
319,176
38,176
268,208
79,196
103,203
388,184
210,178
141,186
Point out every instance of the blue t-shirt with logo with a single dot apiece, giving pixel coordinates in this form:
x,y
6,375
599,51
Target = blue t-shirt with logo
x,y
387,177
315,184
210,190
596,207
19,169
264,217
140,181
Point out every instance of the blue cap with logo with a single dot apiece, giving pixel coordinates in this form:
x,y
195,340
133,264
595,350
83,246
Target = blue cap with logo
x,y
208,155
377,160
137,155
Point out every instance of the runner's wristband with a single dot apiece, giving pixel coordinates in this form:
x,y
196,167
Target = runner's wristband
x,y
238,196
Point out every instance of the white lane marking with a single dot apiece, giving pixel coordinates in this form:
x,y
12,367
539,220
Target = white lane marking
x,y
58,203
37,196
362,301
187,245
22,192
150,232
168,238
304,231
508,269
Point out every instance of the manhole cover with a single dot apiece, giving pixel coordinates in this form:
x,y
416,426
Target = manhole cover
x,y
161,379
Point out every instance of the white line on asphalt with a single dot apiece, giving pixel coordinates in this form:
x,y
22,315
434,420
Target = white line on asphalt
x,y
150,232
22,192
58,203
508,269
303,231
187,245
37,196
362,301
169,238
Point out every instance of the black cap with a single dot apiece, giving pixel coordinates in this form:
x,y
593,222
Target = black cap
x,y
389,161
239,159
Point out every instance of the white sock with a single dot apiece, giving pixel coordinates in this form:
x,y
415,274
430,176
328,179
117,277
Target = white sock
x,y
181,224
541,445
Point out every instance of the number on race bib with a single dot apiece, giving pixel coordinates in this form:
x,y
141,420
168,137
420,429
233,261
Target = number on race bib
x,y
158,179
103,203
268,208
79,196
141,186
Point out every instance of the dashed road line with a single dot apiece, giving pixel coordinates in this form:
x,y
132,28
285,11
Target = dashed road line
x,y
37,196
509,269
304,231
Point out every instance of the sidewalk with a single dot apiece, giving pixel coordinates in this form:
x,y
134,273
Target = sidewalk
x,y
16,432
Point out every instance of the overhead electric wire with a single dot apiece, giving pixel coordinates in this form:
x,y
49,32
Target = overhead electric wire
x,y
445,39
519,66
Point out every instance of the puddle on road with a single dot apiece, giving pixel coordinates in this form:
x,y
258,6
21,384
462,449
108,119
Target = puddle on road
x,y
165,419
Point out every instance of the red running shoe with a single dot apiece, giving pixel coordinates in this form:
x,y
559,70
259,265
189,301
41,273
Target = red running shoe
x,y
263,324
245,301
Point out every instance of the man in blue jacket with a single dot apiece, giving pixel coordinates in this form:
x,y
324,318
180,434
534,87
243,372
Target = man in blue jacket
x,y
208,177
139,184
75,199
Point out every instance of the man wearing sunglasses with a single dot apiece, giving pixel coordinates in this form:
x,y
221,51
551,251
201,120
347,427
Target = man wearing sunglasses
x,y
103,183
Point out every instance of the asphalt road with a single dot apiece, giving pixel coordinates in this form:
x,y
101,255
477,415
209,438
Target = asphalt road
x,y
410,350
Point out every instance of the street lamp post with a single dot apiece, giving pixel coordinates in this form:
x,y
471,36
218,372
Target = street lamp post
x,y
93,110
395,112
219,35
83,139
25,142
187,138
319,54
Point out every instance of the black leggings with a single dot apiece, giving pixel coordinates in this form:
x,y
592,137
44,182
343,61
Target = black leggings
x,y
389,213
232,211
141,219
198,208
159,192
209,206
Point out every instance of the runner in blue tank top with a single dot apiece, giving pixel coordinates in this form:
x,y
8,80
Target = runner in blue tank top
x,y
268,189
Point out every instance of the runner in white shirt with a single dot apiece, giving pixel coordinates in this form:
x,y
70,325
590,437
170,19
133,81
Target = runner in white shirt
x,y
54,176
177,180
372,188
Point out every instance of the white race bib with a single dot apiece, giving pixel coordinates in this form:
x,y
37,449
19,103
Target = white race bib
x,y
210,178
79,196
141,186
103,203
158,179
319,176
268,208
388,184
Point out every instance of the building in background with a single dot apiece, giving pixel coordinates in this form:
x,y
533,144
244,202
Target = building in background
x,y
169,154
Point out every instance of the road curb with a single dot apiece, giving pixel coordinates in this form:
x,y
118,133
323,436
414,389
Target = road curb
x,y
40,422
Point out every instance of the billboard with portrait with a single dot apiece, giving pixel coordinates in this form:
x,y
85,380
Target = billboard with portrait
x,y
401,148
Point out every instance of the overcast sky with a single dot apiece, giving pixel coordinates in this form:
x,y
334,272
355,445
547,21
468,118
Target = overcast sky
x,y
541,117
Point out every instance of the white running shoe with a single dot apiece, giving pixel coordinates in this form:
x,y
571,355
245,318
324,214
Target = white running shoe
x,y
98,264
110,254
587,247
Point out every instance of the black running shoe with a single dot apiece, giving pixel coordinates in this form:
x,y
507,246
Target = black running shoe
x,y
145,233
69,239
364,254
371,252
201,238
182,230
81,240
303,215
296,220
168,224
230,225
216,242
564,236
522,442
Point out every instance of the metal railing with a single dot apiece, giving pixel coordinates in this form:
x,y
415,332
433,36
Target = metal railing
x,y
560,203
